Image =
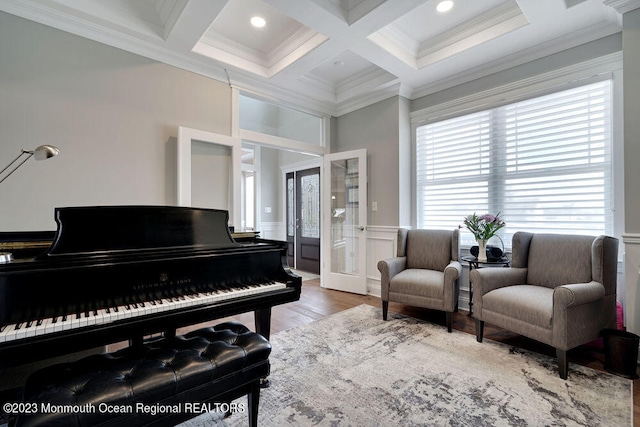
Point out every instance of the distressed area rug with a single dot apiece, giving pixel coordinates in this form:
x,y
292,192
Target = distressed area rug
x,y
354,369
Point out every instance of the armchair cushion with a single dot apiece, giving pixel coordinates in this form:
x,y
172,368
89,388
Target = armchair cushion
x,y
429,249
530,304
418,282
555,260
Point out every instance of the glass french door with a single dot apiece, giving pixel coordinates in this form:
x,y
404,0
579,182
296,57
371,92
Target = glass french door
x,y
307,252
344,219
303,219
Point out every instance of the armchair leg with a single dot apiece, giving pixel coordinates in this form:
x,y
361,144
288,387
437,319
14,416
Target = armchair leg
x,y
449,320
385,309
563,363
479,330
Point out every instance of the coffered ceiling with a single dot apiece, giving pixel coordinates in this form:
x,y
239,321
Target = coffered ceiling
x,y
334,56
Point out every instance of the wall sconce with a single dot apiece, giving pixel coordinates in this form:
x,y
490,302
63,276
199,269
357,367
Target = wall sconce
x,y
43,152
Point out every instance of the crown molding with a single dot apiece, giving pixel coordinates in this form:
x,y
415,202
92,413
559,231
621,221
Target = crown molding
x,y
223,49
307,93
514,91
398,43
622,6
491,24
528,55
366,99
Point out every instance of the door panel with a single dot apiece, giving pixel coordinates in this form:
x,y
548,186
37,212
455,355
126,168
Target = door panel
x,y
291,218
307,251
344,221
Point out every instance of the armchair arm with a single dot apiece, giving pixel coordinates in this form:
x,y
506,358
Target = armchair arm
x,y
577,316
389,268
451,274
452,271
577,294
488,279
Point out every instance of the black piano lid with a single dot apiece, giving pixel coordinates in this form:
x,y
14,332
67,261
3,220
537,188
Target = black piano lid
x,y
118,229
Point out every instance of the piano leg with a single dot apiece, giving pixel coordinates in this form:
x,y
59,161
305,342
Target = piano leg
x,y
262,320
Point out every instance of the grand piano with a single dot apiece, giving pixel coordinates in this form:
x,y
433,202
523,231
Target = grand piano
x,y
122,273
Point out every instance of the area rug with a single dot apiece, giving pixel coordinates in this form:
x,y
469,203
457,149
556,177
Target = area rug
x,y
354,369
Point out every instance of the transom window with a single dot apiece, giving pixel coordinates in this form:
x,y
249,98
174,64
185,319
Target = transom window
x,y
543,163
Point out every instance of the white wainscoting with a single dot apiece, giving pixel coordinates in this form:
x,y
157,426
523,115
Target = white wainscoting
x,y
273,231
631,299
382,243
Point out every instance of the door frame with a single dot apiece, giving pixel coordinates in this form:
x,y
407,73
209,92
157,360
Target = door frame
x,y
328,278
186,136
306,258
292,168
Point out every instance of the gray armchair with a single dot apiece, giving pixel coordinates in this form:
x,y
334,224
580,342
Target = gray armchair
x,y
424,273
559,290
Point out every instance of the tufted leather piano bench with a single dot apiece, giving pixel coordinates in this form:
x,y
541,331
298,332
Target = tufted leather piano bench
x,y
159,383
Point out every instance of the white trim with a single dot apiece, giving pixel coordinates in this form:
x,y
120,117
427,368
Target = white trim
x,y
622,6
280,142
555,80
300,166
385,228
235,112
185,137
631,238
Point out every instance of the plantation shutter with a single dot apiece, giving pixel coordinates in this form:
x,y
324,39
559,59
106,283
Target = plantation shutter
x,y
543,163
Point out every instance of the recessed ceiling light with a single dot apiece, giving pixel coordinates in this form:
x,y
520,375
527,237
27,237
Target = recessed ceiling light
x,y
258,21
444,6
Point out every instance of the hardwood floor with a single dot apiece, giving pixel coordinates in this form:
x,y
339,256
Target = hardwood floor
x,y
316,303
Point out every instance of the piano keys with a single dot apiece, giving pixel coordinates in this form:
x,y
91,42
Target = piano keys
x,y
119,273
98,316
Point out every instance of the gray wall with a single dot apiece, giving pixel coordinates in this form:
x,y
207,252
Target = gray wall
x,y
270,184
211,171
114,116
376,128
631,52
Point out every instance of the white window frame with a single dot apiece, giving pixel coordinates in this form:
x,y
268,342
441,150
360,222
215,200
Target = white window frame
x,y
607,67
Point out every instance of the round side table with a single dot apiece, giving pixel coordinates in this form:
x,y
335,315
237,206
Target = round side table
x,y
475,263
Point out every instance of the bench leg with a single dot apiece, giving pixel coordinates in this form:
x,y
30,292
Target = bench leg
x,y
254,401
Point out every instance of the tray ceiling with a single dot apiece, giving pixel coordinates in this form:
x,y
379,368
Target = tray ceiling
x,y
333,56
